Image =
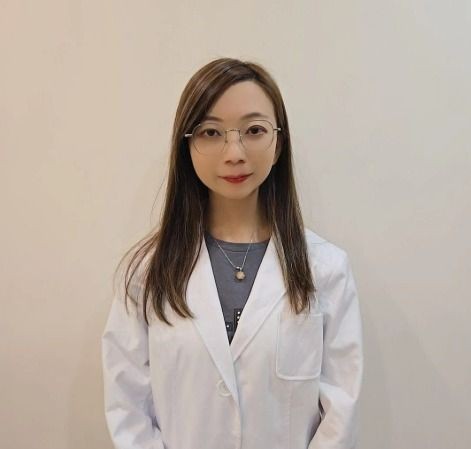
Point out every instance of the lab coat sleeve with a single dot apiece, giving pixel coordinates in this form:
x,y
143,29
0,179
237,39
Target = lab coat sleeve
x,y
129,409
342,362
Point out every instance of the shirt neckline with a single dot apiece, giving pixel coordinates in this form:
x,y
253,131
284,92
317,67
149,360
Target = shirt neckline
x,y
235,246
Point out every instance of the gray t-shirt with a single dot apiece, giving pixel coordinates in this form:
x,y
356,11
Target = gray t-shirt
x,y
233,294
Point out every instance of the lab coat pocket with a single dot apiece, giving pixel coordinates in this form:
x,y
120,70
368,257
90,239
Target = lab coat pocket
x,y
299,346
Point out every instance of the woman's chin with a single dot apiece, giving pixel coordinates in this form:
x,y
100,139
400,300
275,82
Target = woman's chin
x,y
234,194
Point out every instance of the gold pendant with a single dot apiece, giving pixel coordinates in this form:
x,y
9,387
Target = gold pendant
x,y
240,275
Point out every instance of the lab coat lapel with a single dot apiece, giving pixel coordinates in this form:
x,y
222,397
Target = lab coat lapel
x,y
203,301
268,289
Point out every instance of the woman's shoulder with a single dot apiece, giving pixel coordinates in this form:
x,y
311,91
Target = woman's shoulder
x,y
325,256
319,244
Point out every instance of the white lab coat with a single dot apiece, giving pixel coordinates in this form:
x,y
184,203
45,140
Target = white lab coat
x,y
285,382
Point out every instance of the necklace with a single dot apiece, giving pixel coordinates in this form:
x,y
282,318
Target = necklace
x,y
239,274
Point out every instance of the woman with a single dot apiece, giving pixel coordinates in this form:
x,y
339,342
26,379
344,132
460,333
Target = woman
x,y
244,330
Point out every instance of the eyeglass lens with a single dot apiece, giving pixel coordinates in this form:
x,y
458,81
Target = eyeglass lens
x,y
209,138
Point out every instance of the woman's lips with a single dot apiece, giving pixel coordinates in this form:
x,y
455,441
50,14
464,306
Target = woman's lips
x,y
236,179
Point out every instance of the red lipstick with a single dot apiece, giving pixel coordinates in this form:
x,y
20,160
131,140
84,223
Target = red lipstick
x,y
236,179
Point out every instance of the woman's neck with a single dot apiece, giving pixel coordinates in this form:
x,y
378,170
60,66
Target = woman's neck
x,y
236,221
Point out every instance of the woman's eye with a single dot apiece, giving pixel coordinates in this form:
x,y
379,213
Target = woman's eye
x,y
210,132
255,130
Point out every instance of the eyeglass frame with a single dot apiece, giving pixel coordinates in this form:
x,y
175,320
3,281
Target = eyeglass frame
x,y
278,130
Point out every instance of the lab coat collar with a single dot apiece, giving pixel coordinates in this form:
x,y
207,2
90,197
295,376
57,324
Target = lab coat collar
x,y
203,300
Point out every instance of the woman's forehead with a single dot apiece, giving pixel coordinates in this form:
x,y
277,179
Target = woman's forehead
x,y
242,101
255,115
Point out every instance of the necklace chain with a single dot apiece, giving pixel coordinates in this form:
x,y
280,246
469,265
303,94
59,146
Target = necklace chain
x,y
241,268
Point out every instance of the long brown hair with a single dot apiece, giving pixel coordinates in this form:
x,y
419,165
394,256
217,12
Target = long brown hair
x,y
172,250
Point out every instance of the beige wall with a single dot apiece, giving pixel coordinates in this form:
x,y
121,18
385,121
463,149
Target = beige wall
x,y
379,100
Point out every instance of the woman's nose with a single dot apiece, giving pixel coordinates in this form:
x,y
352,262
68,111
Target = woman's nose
x,y
233,141
233,150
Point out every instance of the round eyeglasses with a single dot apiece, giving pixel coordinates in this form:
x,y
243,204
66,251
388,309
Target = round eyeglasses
x,y
210,138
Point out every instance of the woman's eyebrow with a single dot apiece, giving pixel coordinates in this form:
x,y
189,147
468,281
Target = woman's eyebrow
x,y
246,116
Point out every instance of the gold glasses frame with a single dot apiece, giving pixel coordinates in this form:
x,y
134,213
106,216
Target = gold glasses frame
x,y
275,130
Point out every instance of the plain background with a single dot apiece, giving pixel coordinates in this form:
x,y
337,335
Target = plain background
x,y
379,101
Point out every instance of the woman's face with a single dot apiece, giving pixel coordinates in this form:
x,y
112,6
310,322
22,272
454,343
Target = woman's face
x,y
216,169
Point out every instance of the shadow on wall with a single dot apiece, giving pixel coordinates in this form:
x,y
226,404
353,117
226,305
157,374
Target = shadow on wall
x,y
420,415
86,421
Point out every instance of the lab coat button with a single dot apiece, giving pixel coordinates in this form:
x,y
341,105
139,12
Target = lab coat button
x,y
223,391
